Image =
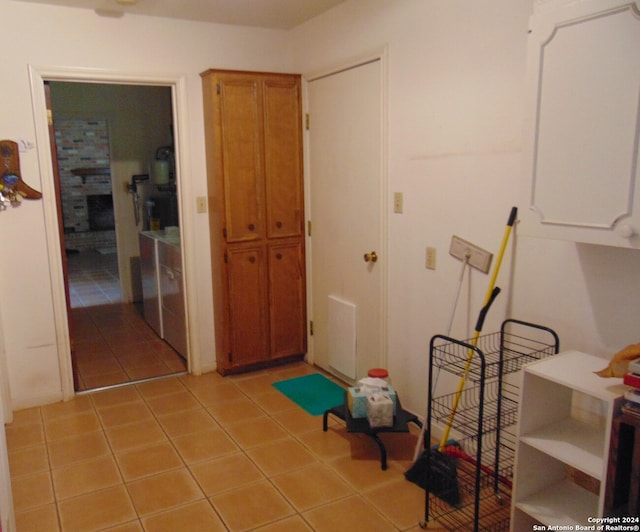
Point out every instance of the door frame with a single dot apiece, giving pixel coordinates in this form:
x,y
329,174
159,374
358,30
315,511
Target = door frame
x,y
178,85
379,54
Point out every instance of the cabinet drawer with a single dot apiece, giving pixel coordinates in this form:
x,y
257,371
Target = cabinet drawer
x,y
169,256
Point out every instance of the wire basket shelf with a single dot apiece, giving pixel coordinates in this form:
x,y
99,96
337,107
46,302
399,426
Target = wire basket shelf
x,y
482,415
503,352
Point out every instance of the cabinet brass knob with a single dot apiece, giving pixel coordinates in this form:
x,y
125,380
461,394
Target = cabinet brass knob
x,y
279,225
251,227
252,259
371,257
279,256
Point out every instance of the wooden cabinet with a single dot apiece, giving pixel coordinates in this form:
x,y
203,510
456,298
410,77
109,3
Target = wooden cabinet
x,y
287,291
566,413
247,306
253,125
581,157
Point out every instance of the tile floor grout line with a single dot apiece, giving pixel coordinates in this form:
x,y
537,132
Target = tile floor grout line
x,y
185,465
317,459
125,483
267,413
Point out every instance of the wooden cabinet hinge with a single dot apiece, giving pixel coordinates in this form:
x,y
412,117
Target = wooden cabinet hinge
x,y
224,232
309,228
230,356
226,257
307,121
217,88
311,328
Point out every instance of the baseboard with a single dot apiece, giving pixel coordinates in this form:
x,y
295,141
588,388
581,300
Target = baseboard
x,y
32,401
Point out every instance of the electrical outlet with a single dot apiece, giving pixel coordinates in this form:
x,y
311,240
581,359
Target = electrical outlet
x,y
476,256
201,204
431,258
398,201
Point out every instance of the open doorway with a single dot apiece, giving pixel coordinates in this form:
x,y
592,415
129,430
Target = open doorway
x,y
117,178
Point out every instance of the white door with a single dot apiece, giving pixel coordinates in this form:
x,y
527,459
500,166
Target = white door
x,y
346,208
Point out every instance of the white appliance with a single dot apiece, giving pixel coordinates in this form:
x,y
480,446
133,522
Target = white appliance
x,y
162,286
152,304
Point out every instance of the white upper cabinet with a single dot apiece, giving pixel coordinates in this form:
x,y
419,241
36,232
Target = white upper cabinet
x,y
581,157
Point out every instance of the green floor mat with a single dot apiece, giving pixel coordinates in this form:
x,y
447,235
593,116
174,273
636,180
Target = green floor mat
x,y
314,393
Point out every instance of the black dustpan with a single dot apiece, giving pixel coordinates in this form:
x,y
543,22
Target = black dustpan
x,y
437,472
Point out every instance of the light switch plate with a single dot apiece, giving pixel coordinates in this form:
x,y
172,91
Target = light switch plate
x,y
201,204
398,202
430,262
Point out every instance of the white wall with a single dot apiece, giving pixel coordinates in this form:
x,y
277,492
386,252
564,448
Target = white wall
x,y
7,517
57,38
456,73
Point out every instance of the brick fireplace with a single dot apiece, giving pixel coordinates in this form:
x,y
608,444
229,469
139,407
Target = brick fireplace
x,y
85,183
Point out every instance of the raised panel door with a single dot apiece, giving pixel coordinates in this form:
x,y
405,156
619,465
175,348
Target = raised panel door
x,y
583,123
283,156
287,299
247,303
346,202
240,120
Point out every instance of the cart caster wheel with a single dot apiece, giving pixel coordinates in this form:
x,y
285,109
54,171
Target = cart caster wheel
x,y
423,524
500,499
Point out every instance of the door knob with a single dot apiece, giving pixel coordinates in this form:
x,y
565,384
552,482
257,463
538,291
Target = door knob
x,y
371,257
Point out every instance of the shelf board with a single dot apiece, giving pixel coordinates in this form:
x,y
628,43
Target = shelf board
x,y
561,503
576,371
573,442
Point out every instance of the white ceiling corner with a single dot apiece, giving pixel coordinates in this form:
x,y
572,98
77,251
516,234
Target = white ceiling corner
x,y
274,14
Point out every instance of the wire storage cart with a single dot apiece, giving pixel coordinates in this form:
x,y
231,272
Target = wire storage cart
x,y
482,416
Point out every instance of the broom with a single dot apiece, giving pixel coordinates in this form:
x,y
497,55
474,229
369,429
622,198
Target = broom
x,y
443,481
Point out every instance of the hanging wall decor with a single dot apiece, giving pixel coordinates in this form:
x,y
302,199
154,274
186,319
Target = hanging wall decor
x,y
12,188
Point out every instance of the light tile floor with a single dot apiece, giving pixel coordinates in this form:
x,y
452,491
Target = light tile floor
x,y
93,278
204,453
113,344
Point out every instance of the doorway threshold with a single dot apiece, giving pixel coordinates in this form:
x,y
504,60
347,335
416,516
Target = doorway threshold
x,y
130,383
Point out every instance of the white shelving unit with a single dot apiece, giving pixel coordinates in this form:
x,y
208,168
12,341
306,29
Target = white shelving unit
x,y
565,417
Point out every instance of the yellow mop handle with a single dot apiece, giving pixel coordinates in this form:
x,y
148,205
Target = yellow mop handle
x,y
492,292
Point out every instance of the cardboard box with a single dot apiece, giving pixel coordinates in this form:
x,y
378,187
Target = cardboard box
x,y
357,400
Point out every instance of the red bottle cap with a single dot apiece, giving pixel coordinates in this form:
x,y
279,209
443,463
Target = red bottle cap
x,y
378,373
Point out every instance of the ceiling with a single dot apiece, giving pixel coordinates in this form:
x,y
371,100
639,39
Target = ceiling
x,y
274,14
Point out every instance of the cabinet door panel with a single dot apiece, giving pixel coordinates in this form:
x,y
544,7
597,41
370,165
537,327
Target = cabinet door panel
x,y
176,334
247,306
287,299
583,156
587,101
241,126
283,157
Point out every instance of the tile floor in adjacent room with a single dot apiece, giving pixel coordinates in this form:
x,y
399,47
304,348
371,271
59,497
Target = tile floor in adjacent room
x,y
113,344
206,453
